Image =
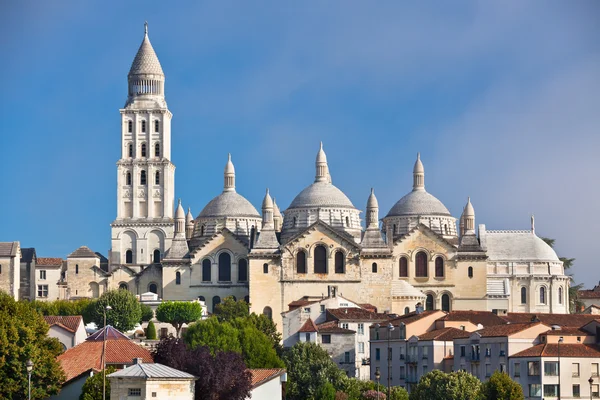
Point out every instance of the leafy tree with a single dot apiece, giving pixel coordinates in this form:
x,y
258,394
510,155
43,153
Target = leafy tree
x,y
125,312
268,327
239,336
92,388
220,376
178,313
309,367
230,309
501,387
398,393
151,331
354,388
326,392
437,385
147,313
373,395
65,307
575,303
23,337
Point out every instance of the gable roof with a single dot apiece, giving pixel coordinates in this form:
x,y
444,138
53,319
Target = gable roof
x,y
309,326
575,320
83,252
444,334
412,317
452,245
111,334
260,376
589,294
8,249
151,371
333,327
505,330
49,262
485,318
320,224
71,322
221,232
354,314
566,350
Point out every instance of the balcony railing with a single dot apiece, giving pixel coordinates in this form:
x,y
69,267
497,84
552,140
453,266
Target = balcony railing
x,y
412,358
475,357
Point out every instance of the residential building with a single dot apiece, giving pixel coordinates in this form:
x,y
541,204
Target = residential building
x,y
48,274
69,330
10,268
268,384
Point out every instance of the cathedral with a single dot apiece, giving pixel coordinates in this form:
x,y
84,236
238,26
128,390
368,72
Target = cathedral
x,y
316,247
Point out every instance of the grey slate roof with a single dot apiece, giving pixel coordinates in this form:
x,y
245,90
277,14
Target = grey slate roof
x,y
27,254
83,252
321,194
516,246
229,204
267,240
8,249
151,371
179,248
146,61
418,202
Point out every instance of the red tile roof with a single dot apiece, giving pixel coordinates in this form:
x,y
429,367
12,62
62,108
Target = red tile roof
x,y
300,303
368,306
444,334
48,262
260,376
355,314
333,327
567,331
589,294
566,350
411,317
485,318
574,320
309,326
505,330
88,355
70,323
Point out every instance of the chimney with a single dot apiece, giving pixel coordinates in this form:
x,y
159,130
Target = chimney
x,y
137,360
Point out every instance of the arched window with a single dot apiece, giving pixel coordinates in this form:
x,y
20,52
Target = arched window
x,y
295,221
143,126
143,177
301,262
406,310
202,298
320,260
156,256
157,178
77,268
446,303
347,221
206,268
560,295
243,270
130,150
128,180
268,312
470,272
523,295
224,267
216,301
446,228
129,126
153,288
439,267
339,262
156,125
429,302
421,268
123,286
403,267
128,257
143,149
202,230
265,268
394,229
157,150
374,268
178,278
542,295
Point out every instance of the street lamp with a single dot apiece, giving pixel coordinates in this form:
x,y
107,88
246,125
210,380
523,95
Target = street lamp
x,y
29,365
560,340
390,328
591,381
378,376
107,308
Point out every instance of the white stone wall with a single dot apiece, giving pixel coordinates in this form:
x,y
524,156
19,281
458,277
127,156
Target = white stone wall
x,y
171,389
270,390
52,277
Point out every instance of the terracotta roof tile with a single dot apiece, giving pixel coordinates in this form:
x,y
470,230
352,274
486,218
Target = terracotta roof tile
x,y
567,331
574,320
355,314
505,330
48,262
444,334
300,303
333,327
368,306
309,326
71,323
260,376
485,318
411,317
589,294
566,350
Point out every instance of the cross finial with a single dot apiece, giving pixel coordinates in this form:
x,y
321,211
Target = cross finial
x,y
145,27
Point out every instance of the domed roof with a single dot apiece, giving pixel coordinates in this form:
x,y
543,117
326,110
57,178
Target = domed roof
x,y
516,246
146,61
418,202
229,204
321,194
372,201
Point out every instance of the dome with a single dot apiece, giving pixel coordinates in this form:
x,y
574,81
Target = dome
x,y
321,194
517,246
418,202
146,61
229,204
372,201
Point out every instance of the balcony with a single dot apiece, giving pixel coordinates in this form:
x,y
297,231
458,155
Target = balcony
x,y
475,357
412,379
412,359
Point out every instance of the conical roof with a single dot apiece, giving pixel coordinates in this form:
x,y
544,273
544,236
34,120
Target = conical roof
x,y
146,61
179,213
111,334
372,201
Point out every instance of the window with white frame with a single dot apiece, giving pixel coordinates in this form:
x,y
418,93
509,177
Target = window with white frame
x,y
344,325
307,310
551,390
551,368
594,369
43,274
42,290
361,347
361,329
575,369
535,390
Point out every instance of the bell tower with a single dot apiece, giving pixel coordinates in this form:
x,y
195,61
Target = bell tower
x,y
144,227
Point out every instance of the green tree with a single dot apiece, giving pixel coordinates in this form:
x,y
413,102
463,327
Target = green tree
x,y
217,336
268,327
125,312
230,309
437,385
151,331
354,388
92,388
575,303
398,393
309,367
178,313
326,392
501,387
65,307
147,313
23,336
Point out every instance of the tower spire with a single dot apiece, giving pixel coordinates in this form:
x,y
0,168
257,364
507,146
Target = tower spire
x,y
322,168
372,211
267,210
418,174
229,176
146,28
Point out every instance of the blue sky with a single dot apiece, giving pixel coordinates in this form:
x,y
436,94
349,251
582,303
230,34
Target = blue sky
x,y
502,99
